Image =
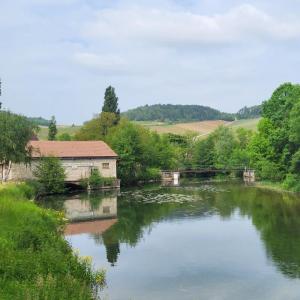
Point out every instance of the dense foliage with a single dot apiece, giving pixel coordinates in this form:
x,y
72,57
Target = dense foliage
x,y
176,113
52,129
36,262
223,149
15,133
50,175
142,153
249,112
97,128
64,137
274,151
95,181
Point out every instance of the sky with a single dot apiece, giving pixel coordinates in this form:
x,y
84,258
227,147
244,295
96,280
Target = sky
x,y
58,56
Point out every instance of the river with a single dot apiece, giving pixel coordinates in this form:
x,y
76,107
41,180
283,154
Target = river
x,y
199,240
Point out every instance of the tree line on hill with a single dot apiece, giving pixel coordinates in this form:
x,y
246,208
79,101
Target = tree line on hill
x,y
176,113
187,113
249,112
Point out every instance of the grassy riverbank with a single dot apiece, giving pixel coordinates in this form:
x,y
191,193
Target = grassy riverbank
x,y
36,262
275,186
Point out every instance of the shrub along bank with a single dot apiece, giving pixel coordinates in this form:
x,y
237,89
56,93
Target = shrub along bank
x,y
36,262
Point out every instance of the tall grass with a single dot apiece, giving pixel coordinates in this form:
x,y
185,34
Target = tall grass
x,y
35,260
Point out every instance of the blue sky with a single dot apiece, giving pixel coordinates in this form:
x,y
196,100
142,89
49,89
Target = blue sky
x,y
58,56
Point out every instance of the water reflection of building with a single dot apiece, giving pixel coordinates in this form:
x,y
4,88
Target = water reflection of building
x,y
93,227
93,215
89,209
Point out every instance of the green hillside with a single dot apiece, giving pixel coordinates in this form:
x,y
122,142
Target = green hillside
x,y
176,113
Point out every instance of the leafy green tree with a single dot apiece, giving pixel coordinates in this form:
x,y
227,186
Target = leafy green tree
x,y
295,163
97,128
244,137
52,129
140,151
64,137
95,179
294,124
204,153
16,132
51,175
110,101
126,141
225,144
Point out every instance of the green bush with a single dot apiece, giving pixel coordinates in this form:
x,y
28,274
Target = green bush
x,y
36,262
150,174
50,175
107,181
95,179
292,182
268,170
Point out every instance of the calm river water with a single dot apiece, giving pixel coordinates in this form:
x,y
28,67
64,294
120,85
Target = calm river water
x,y
197,241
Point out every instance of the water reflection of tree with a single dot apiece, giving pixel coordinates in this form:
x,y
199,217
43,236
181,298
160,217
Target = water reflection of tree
x,y
275,215
277,218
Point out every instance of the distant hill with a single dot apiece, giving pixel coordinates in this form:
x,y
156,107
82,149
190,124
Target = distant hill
x,y
188,113
249,112
39,121
176,113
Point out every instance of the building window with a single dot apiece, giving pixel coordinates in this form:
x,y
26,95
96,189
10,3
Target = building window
x,y
105,165
106,209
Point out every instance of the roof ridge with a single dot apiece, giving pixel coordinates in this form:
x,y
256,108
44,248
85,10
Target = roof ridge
x,y
65,149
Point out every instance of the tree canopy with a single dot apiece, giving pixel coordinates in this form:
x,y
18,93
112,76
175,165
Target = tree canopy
x,y
110,101
142,153
97,128
16,131
51,175
273,150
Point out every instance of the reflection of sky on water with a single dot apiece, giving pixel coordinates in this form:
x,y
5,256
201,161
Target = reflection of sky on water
x,y
199,246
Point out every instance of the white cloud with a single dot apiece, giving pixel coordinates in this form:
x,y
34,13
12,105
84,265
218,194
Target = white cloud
x,y
179,27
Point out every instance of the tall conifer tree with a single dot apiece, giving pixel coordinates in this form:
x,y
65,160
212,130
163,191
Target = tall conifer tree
x,y
111,101
52,129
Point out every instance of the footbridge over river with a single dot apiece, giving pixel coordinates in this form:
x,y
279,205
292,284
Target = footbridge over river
x,y
171,175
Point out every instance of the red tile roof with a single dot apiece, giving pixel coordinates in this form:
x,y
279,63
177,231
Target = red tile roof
x,y
70,149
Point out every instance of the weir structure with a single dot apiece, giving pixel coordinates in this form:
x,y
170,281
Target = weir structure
x,y
174,175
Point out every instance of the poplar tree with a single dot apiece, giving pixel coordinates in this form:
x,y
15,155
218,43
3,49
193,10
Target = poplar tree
x,y
52,129
111,101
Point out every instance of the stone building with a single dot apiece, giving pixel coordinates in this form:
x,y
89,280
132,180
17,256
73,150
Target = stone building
x,y
78,158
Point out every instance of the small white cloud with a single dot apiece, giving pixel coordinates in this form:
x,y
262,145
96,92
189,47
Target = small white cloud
x,y
178,27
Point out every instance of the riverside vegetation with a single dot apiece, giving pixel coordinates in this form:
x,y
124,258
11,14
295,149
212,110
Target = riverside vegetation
x,y
36,262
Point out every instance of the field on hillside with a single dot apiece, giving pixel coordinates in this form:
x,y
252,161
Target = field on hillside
x,y
250,124
202,128
43,133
